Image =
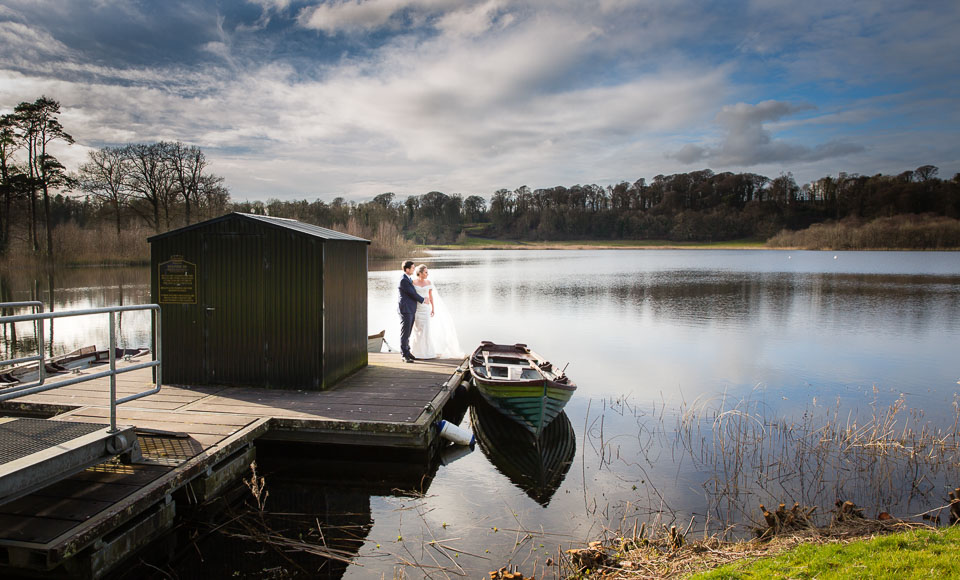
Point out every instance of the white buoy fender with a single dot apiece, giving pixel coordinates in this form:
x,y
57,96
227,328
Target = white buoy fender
x,y
455,433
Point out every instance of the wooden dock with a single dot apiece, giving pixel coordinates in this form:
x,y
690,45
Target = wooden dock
x,y
195,442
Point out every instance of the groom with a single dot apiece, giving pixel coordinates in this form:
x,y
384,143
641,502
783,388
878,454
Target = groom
x,y
408,309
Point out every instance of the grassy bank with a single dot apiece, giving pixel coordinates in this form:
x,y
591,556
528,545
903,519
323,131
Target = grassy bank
x,y
862,549
474,243
922,553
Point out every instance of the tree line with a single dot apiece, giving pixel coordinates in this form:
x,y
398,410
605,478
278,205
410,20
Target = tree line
x,y
164,185
696,206
707,206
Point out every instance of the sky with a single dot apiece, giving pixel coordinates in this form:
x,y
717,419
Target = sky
x,y
318,99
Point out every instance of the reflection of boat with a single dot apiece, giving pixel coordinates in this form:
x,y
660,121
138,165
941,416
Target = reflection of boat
x,y
375,341
535,465
520,383
79,359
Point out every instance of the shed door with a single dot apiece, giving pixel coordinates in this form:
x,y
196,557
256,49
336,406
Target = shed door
x,y
233,309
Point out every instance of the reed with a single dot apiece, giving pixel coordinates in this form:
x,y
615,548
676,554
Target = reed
x,y
74,245
903,232
386,241
890,458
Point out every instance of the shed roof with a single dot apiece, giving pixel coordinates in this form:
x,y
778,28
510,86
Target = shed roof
x,y
285,223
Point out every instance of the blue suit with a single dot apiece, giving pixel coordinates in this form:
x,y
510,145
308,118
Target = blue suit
x,y
408,311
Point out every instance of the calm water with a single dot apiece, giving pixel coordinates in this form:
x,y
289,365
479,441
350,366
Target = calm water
x,y
651,338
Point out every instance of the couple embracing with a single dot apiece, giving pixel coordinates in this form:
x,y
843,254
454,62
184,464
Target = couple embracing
x,y
426,328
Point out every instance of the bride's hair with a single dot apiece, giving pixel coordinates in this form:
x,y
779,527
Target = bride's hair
x,y
418,269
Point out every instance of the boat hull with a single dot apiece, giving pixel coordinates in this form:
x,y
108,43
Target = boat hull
x,y
533,403
534,406
537,465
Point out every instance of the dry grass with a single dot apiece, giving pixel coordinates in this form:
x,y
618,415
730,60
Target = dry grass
x,y
643,557
386,241
73,245
902,232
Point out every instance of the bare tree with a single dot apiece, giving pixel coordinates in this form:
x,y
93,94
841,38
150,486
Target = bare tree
x,y
926,172
213,195
188,163
151,179
106,176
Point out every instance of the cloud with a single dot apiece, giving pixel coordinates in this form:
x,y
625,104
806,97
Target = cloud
x,y
271,5
747,142
358,97
360,15
25,44
474,21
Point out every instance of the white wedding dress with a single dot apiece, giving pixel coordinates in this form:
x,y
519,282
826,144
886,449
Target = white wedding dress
x,y
433,336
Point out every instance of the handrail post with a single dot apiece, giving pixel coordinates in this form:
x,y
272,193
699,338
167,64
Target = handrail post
x,y
157,343
113,375
42,365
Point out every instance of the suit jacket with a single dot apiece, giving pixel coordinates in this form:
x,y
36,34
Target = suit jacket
x,y
408,296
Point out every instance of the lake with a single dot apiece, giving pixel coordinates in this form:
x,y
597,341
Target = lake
x,y
703,376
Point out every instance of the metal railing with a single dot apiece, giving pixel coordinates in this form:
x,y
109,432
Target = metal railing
x,y
39,386
37,330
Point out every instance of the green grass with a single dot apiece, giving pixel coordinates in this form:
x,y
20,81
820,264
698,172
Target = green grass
x,y
472,243
914,554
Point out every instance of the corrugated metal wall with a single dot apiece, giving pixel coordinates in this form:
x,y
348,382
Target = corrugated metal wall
x,y
233,292
295,310
345,304
259,317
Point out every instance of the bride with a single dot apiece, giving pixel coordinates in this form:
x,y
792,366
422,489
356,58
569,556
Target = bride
x,y
434,334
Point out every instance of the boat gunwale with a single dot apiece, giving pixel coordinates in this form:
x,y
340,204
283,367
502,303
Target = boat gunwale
x,y
569,386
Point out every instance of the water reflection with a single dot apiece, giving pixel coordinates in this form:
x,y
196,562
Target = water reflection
x,y
691,323
535,465
313,516
75,289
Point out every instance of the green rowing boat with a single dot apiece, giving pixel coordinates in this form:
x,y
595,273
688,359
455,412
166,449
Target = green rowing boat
x,y
520,384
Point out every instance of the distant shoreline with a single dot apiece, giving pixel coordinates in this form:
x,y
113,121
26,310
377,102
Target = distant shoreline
x,y
478,244
494,244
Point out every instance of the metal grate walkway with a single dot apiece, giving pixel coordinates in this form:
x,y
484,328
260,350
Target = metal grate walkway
x,y
21,437
37,452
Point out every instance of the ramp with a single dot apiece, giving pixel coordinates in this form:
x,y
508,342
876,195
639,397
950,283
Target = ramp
x,y
37,452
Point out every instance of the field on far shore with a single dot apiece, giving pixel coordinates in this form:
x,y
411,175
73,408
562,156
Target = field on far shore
x,y
475,243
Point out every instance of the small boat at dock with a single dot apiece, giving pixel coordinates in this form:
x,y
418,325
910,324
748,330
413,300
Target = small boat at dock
x,y
79,359
520,384
375,341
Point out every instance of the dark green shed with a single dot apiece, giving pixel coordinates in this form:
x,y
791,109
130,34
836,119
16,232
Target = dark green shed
x,y
261,301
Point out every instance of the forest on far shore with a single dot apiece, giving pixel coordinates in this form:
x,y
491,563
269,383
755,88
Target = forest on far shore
x,y
103,210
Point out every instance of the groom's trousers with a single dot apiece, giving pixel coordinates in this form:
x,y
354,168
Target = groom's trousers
x,y
406,328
